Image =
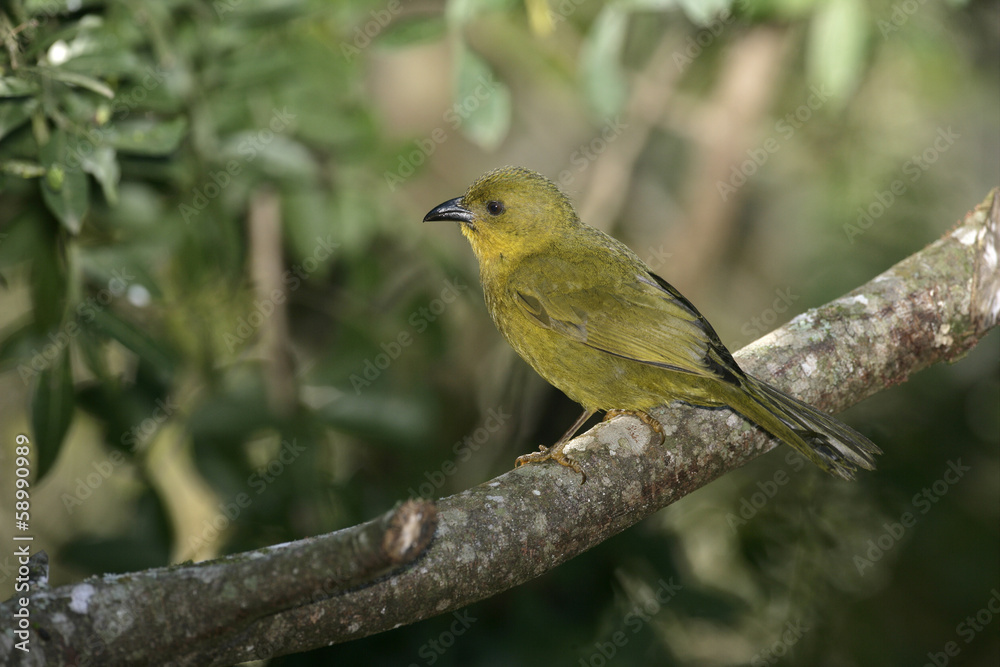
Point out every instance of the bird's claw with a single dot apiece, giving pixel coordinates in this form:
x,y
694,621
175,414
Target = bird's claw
x,y
644,417
553,453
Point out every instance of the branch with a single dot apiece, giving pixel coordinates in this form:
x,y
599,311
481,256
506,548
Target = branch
x,y
933,306
188,611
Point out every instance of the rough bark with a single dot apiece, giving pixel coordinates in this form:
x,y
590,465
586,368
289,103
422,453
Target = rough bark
x,y
933,306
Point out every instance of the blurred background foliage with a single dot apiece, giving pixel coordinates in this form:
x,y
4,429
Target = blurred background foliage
x,y
215,282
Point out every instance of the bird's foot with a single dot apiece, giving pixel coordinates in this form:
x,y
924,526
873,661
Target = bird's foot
x,y
644,417
553,453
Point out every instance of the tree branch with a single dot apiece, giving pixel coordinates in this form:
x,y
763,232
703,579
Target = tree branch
x,y
933,306
185,612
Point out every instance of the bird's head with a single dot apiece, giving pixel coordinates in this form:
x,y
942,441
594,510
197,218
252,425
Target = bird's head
x,y
509,213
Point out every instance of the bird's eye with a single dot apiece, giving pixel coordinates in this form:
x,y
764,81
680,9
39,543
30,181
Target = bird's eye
x,y
495,207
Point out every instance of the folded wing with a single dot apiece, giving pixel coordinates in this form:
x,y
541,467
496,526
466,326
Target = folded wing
x,y
639,317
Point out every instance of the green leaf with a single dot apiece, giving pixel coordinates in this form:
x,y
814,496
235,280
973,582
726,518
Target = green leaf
x,y
13,115
16,340
603,78
133,338
121,409
81,80
836,55
482,102
14,87
147,137
48,282
393,419
278,156
91,349
65,188
102,164
52,410
232,416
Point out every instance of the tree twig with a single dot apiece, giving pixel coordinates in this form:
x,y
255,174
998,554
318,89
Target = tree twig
x,y
933,306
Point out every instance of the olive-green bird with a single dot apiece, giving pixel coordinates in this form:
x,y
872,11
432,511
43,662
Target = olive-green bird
x,y
594,321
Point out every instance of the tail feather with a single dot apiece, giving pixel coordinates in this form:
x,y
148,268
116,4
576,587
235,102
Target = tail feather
x,y
824,440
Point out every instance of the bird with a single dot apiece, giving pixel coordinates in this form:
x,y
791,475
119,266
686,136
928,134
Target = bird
x,y
598,324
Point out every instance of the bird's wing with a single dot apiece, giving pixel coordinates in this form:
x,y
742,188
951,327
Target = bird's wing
x,y
642,318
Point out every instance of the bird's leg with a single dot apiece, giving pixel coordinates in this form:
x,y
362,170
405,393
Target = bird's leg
x,y
555,452
644,417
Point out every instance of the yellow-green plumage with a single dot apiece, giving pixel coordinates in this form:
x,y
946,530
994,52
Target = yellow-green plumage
x,y
593,320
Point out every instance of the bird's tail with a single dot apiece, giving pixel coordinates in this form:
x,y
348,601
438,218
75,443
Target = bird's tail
x,y
829,443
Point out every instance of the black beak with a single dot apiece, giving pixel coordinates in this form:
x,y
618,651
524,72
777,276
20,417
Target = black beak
x,y
450,210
